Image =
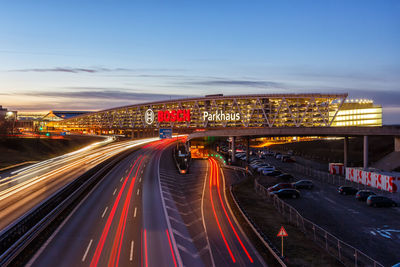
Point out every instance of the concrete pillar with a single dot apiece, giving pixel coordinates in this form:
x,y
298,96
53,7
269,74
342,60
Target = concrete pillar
x,y
346,151
248,150
233,147
397,143
365,151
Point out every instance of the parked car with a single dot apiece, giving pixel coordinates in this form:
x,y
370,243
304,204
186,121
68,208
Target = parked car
x,y
307,184
287,193
380,201
347,190
285,176
362,195
279,187
273,173
265,168
287,159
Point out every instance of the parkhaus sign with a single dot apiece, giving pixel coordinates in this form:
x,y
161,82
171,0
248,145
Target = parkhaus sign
x,y
181,115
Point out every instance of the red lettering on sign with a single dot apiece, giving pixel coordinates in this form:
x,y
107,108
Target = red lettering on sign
x,y
180,118
186,115
160,116
174,115
166,115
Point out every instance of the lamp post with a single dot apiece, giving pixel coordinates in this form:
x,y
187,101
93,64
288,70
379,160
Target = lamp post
x,y
10,115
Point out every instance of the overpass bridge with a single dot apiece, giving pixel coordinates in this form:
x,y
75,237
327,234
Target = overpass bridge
x,y
346,132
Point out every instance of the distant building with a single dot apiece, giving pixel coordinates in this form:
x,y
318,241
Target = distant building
x,y
30,116
358,112
62,115
3,112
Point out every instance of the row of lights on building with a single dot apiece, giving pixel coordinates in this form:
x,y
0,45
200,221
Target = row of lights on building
x,y
362,101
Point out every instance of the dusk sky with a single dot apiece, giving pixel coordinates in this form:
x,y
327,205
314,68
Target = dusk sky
x,y
93,55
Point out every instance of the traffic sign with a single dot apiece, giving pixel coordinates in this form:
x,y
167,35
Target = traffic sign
x,y
165,133
282,232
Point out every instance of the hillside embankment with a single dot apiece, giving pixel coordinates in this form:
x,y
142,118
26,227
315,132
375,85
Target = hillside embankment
x,y
17,150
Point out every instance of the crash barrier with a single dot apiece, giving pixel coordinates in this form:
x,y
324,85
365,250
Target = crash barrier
x,y
263,238
23,232
348,255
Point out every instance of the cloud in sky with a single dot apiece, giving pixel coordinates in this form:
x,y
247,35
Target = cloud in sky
x,y
240,83
71,70
110,94
94,70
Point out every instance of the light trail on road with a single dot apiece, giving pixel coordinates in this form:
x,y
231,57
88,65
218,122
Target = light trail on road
x,y
33,184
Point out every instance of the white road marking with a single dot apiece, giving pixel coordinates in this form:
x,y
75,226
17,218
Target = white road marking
x,y
121,179
104,212
140,179
330,200
138,191
134,213
115,191
126,171
87,250
131,254
141,172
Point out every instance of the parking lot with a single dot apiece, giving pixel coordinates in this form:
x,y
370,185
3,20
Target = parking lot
x,y
375,231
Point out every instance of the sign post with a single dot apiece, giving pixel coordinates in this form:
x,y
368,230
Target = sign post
x,y
282,233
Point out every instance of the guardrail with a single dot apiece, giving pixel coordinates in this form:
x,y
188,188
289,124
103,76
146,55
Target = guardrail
x,y
345,253
17,236
263,238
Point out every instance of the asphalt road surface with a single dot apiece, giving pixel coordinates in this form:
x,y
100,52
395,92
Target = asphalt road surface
x,y
374,231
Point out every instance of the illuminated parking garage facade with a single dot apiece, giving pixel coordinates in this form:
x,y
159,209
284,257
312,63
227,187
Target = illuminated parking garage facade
x,y
212,112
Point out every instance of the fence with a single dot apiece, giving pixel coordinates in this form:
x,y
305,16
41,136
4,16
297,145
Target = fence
x,y
345,253
325,177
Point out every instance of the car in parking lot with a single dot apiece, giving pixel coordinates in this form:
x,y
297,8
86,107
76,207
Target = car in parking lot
x,y
303,184
287,193
287,158
272,173
362,195
279,187
285,176
265,168
380,201
347,190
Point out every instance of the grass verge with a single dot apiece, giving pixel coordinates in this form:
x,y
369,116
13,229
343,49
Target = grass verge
x,y
299,250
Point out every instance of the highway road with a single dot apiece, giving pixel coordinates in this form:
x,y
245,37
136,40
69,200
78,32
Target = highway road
x,y
28,186
229,245
133,218
121,221
205,230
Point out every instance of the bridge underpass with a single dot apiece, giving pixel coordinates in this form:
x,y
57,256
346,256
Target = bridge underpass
x,y
345,132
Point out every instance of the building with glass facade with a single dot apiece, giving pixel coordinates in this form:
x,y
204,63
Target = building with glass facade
x,y
218,111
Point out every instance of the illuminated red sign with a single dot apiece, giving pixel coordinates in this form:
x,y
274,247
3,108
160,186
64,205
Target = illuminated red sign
x,y
174,115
